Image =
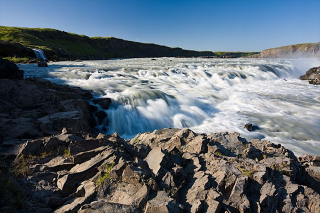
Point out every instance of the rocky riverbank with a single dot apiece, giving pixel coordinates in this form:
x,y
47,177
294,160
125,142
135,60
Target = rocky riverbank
x,y
33,107
62,165
313,75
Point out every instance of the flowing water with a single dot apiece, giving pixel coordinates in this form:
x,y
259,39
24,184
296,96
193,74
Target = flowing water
x,y
205,95
39,54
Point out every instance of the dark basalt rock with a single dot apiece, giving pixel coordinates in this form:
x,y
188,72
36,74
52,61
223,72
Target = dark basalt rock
x,y
31,108
9,70
42,64
101,115
103,102
313,75
106,171
93,108
250,127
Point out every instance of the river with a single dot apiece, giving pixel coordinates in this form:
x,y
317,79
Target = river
x,y
205,95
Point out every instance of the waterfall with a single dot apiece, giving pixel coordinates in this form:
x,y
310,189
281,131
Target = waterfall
x,y
39,54
206,95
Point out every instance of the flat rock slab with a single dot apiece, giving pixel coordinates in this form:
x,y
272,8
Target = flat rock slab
x,y
162,203
106,207
81,172
154,159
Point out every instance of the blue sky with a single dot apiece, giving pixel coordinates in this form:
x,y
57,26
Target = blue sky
x,y
216,25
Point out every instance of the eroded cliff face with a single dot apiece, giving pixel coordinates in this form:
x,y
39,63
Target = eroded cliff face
x,y
293,51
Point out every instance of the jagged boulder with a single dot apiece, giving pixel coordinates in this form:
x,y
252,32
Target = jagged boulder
x,y
103,102
157,160
9,70
312,168
197,193
87,190
53,123
106,207
231,143
101,115
155,138
83,171
313,75
42,64
162,203
238,198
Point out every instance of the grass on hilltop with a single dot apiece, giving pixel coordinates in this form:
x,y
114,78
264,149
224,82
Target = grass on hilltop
x,y
51,40
60,45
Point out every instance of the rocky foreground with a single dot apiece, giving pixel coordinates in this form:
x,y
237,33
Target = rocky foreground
x,y
168,170
62,165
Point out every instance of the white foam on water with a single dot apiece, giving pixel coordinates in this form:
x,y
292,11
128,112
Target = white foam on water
x,y
206,95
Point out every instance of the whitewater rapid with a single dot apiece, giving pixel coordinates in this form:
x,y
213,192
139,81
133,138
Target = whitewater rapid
x,y
205,95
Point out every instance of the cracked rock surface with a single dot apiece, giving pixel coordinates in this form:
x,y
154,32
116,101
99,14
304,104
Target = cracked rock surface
x,y
168,170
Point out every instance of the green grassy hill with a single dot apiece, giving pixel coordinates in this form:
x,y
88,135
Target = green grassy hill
x,y
15,43
60,45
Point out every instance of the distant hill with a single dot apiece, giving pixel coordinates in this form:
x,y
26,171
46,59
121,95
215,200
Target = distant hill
x,y
15,43
293,51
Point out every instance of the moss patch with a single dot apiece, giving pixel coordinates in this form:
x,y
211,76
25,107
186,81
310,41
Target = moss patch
x,y
246,172
18,59
106,173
